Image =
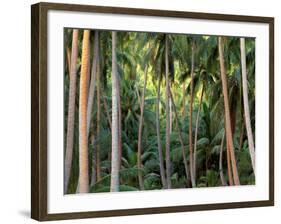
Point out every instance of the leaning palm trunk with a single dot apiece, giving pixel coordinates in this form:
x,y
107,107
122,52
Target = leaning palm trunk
x,y
229,137
191,166
160,153
83,140
140,177
168,160
71,110
223,182
246,103
114,181
196,132
181,138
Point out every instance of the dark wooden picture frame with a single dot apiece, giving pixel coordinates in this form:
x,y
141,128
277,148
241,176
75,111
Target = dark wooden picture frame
x,y
39,106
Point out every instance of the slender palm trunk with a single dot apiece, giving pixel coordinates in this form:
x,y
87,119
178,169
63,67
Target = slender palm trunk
x,y
94,71
229,138
223,182
83,140
196,132
71,110
140,177
181,138
68,58
114,181
246,103
191,166
160,153
168,160
93,81
98,122
119,124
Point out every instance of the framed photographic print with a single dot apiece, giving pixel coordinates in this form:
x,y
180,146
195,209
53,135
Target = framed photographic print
x,y
138,111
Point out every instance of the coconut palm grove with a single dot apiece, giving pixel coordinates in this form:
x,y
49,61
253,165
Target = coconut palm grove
x,y
147,111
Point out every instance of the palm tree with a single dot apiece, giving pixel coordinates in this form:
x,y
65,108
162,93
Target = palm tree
x,y
223,182
246,103
180,135
114,182
83,140
94,72
229,137
168,160
191,166
160,153
71,109
140,130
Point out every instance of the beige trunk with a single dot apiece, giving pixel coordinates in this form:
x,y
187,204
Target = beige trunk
x,y
71,110
229,138
83,140
246,103
114,181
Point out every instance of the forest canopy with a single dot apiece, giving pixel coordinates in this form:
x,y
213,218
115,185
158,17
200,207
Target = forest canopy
x,y
145,111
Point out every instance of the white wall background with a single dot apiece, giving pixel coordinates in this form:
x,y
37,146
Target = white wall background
x,y
15,111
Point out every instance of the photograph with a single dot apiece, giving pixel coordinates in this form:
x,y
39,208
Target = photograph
x,y
157,111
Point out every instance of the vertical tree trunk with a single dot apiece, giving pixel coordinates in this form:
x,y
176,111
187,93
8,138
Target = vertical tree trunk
x,y
140,177
190,119
168,160
196,131
71,110
223,182
68,58
114,181
94,71
229,138
181,138
93,81
98,123
83,140
246,103
160,153
119,123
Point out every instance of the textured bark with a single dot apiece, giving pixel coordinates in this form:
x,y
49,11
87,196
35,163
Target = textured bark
x,y
93,81
160,153
246,103
229,138
83,140
191,166
98,122
91,96
223,182
196,131
114,181
171,115
139,162
119,123
168,160
181,138
68,58
71,110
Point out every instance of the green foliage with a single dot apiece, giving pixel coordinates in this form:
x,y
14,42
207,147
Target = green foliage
x,y
136,51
